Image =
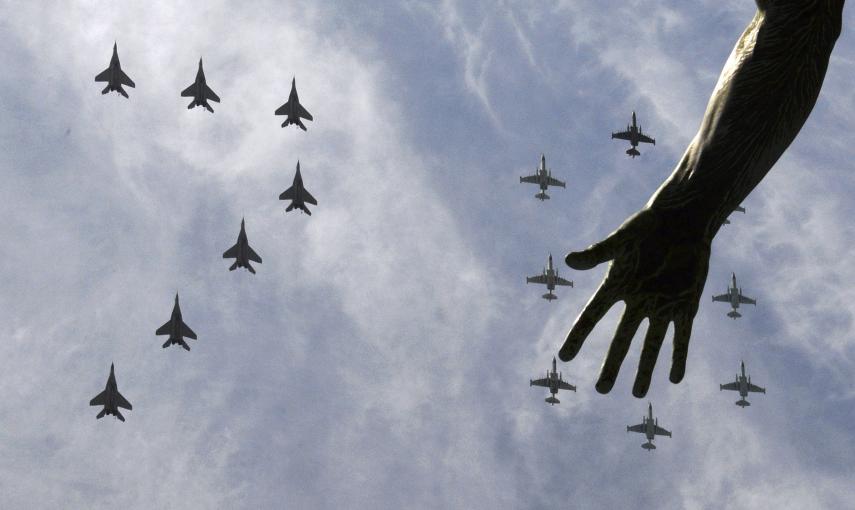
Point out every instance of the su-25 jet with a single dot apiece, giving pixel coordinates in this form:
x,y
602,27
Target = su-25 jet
x,y
298,195
634,135
738,208
743,386
176,329
542,178
114,76
554,382
735,298
200,91
550,278
293,109
650,428
111,399
241,252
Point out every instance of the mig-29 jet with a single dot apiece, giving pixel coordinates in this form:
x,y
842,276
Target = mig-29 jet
x,y
550,278
650,428
200,91
542,178
293,109
241,252
114,76
634,136
176,329
111,399
554,382
298,195
735,298
743,386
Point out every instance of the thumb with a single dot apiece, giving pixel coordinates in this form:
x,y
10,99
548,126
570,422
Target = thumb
x,y
633,228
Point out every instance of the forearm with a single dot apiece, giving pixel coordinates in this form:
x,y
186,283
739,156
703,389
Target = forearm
x,y
763,97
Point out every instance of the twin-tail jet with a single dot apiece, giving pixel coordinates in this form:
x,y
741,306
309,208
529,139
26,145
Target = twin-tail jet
x,y
543,178
293,109
634,135
735,298
114,76
241,252
111,399
743,386
176,329
650,428
554,382
550,278
298,195
200,91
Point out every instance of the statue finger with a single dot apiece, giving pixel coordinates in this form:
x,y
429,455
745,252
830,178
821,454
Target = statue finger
x,y
628,325
649,352
597,306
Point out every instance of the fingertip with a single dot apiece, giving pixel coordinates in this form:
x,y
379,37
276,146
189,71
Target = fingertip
x,y
565,354
604,387
581,260
639,389
677,375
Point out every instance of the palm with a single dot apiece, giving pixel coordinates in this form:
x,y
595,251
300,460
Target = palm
x,y
659,265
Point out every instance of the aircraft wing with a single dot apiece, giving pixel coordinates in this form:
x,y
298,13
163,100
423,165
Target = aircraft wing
x,y
231,253
103,75
307,197
166,329
746,300
301,112
723,297
186,331
288,194
251,255
564,385
646,139
536,279
537,382
659,431
283,110
729,386
122,402
623,135
188,92
552,181
125,80
636,428
562,281
99,400
210,94
756,389
530,178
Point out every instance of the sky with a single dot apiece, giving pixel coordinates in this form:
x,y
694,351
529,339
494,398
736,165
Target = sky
x,y
379,357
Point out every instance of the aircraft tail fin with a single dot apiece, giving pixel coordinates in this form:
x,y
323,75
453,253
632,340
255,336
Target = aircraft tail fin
x,y
233,266
191,105
251,270
167,343
743,403
119,415
122,91
290,207
648,446
733,314
549,296
542,196
106,89
552,400
632,151
102,413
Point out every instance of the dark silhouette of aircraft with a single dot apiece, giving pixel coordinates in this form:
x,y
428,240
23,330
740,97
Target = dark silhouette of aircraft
x,y
634,135
298,195
293,109
176,329
649,426
114,76
743,385
554,382
241,252
111,399
200,91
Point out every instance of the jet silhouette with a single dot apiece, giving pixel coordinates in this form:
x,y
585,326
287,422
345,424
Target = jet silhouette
x,y
241,252
293,109
298,195
634,135
554,382
114,76
743,385
111,399
176,329
649,426
550,278
543,178
200,91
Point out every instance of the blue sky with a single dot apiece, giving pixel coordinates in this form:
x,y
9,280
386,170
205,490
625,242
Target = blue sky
x,y
379,357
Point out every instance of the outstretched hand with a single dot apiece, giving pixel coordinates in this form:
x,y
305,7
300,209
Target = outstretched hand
x,y
659,262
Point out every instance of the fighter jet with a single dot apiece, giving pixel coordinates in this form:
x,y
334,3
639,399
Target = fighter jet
x,y
176,329
738,208
634,135
554,382
735,298
650,428
111,399
542,178
293,109
241,252
298,195
550,278
114,76
200,91
743,386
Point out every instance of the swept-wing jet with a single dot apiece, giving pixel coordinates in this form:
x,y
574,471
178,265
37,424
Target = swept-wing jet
x,y
293,109
200,91
634,135
176,329
241,252
298,195
650,428
114,76
743,386
543,178
738,208
550,278
554,382
111,399
735,298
